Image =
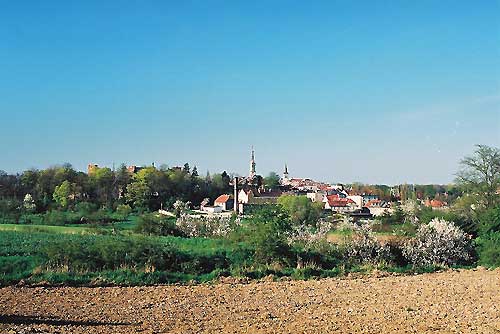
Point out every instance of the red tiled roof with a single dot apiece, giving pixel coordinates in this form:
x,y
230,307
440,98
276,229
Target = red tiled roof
x,y
437,203
222,198
335,200
372,202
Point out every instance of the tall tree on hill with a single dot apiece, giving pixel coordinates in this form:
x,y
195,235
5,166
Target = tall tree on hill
x,y
102,180
122,180
272,181
480,174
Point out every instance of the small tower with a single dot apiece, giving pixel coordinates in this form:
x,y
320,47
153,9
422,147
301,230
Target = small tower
x,y
285,174
252,165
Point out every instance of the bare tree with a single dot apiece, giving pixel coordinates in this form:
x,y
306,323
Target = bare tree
x,y
480,174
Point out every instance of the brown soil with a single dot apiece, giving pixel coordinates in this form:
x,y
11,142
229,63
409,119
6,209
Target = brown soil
x,y
465,301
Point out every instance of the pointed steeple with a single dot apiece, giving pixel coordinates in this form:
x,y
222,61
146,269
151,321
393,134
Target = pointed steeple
x,y
252,164
285,174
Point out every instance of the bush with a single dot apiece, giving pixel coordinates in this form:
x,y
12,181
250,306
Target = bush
x,y
322,254
439,243
489,221
266,232
123,211
488,248
150,224
365,248
100,217
112,253
60,218
85,208
427,214
205,226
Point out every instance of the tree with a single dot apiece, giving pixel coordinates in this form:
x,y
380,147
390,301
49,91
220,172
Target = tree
x,y
300,209
64,194
272,181
480,174
149,188
194,173
122,180
138,194
102,180
29,204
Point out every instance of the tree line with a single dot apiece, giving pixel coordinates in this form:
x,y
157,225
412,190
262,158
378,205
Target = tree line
x,y
148,189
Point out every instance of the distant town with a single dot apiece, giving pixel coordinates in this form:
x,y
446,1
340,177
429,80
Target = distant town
x,y
357,200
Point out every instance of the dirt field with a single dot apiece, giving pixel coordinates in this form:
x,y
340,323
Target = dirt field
x,y
448,302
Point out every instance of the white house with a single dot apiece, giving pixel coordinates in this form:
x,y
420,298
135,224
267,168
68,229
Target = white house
x,y
378,207
357,199
339,204
224,201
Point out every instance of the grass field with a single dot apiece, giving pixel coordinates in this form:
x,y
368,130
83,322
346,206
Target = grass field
x,y
72,229
115,254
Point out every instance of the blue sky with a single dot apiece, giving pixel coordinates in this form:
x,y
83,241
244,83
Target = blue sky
x,y
378,92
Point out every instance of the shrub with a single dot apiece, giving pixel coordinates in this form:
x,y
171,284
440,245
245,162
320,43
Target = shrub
x,y
322,254
488,248
151,224
365,248
123,210
438,243
85,208
205,226
179,207
111,253
489,221
308,235
266,232
59,218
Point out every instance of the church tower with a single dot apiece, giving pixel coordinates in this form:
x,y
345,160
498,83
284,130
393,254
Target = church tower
x,y
285,174
252,165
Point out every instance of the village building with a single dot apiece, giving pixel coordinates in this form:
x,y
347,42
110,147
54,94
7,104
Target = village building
x,y
378,207
358,199
338,204
225,201
435,204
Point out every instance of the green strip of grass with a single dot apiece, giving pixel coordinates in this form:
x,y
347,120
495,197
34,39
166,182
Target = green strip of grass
x,y
47,229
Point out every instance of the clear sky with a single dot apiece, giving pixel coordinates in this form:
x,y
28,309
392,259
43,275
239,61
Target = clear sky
x,y
370,91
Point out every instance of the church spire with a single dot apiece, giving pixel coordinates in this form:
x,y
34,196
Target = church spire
x,y
252,164
285,173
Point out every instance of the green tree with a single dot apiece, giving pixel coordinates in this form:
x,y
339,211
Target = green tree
x,y
480,174
122,180
300,209
102,179
266,232
272,181
64,194
138,194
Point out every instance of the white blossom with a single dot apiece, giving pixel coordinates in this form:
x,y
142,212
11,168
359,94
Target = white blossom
x,y
364,246
438,243
28,203
206,226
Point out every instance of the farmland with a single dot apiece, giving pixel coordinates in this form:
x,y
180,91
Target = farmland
x,y
453,301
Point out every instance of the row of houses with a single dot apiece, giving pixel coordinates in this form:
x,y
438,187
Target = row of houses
x,y
334,199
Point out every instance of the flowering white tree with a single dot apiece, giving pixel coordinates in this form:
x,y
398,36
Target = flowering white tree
x,y
180,207
206,226
309,235
28,203
364,246
438,243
